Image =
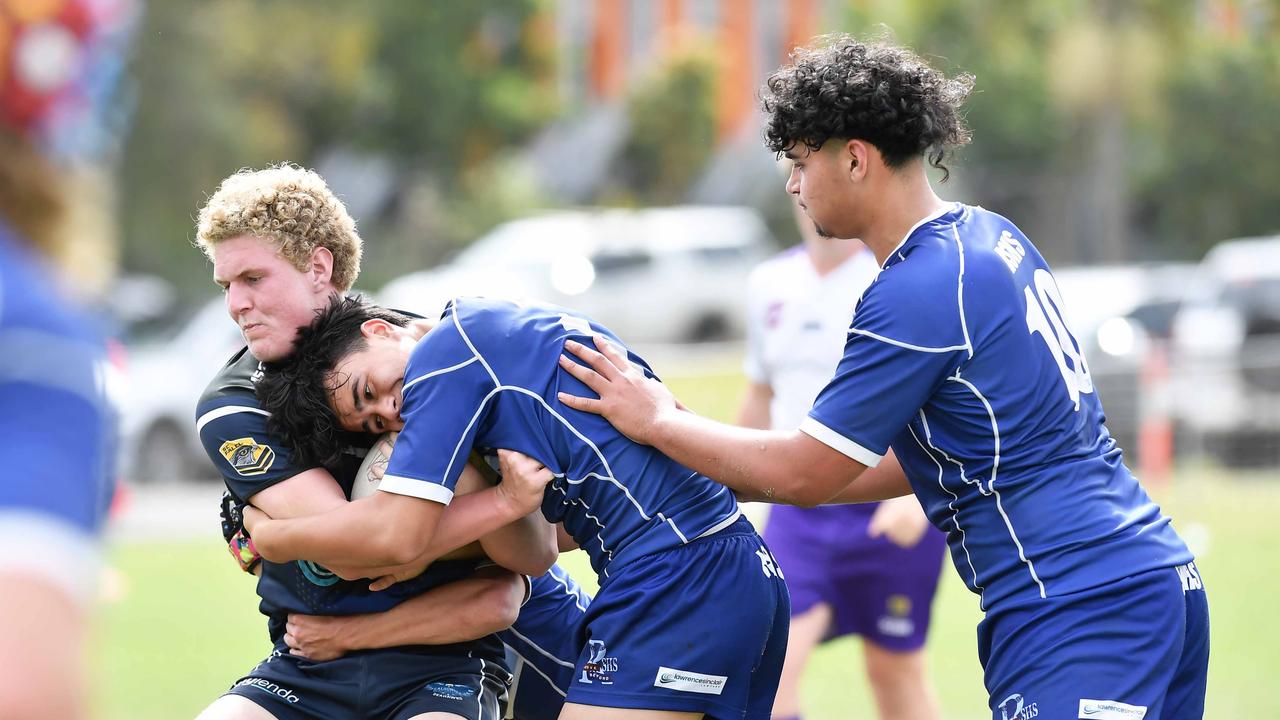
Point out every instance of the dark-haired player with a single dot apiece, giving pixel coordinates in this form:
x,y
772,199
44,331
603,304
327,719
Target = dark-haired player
x,y
691,617
959,362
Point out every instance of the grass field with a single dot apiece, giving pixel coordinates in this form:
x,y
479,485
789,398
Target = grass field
x,y
184,623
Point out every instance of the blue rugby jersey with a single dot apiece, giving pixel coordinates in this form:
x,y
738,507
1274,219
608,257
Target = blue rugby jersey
x,y
546,640
486,377
958,357
233,429
57,427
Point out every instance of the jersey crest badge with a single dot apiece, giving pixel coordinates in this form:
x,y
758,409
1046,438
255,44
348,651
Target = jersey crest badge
x,y
247,456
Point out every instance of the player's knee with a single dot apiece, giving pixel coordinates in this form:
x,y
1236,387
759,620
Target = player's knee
x,y
234,707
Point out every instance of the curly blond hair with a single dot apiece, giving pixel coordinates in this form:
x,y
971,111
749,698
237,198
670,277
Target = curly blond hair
x,y
290,205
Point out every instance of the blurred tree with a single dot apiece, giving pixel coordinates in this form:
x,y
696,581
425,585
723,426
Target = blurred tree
x,y
672,129
437,88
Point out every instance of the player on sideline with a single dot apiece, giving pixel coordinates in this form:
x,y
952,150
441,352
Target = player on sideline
x,y
691,616
282,245
868,569
57,427
958,359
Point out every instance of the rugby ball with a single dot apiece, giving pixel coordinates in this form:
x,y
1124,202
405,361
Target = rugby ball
x,y
369,476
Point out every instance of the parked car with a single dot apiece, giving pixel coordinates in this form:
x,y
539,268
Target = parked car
x,y
1227,338
1116,312
164,378
673,274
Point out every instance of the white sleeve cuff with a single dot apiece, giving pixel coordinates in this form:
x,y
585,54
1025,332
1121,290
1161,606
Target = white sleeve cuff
x,y
839,443
40,544
416,488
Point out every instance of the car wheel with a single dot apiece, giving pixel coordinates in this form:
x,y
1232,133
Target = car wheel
x,y
708,328
164,457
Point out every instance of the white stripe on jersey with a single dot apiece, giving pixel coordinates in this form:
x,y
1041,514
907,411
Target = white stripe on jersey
x,y
434,373
535,646
224,411
458,324
909,346
587,512
991,484
927,218
955,515
928,436
577,599
964,325
722,524
527,664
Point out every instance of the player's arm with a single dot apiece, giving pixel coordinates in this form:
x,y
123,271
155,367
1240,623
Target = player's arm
x,y
41,643
776,466
754,411
387,529
460,611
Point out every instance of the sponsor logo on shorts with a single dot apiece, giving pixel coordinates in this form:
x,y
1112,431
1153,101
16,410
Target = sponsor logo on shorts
x,y
1110,710
1016,707
685,681
896,622
599,667
247,456
1190,577
451,691
271,689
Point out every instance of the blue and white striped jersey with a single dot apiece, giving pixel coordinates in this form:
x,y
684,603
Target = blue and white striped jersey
x,y
486,376
544,643
57,427
958,357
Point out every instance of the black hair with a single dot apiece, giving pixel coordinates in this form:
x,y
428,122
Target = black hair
x,y
877,92
296,390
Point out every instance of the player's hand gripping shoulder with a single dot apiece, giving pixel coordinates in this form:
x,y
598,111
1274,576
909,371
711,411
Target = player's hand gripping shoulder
x,y
631,401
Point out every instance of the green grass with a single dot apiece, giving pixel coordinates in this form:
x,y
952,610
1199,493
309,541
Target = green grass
x,y
185,624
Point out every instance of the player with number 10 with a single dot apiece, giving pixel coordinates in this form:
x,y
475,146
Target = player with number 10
x,y
960,382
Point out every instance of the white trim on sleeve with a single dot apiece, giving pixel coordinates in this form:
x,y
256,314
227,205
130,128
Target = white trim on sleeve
x,y
414,487
838,442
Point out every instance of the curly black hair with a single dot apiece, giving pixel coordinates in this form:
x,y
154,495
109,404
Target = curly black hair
x,y
296,390
877,92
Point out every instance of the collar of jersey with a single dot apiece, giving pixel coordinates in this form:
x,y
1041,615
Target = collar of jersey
x,y
899,252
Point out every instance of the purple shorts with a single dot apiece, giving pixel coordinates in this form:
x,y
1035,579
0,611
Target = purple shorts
x,y
875,588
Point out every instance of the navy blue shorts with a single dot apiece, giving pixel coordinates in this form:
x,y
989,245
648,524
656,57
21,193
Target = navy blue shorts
x,y
698,628
394,684
1134,649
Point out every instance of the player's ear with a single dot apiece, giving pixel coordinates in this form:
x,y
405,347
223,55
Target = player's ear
x,y
374,327
321,267
853,158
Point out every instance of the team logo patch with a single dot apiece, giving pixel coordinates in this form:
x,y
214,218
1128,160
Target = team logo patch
x,y
600,666
1016,707
247,456
451,691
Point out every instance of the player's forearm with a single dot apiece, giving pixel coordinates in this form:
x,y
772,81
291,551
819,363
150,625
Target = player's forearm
x,y
470,518
457,612
885,481
768,465
527,546
380,530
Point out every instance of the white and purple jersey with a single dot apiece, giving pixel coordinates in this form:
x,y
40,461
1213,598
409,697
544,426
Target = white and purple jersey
x,y
58,428
958,358
487,376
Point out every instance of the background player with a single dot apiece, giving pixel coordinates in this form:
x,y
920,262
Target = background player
x,y
57,427
678,564
868,569
958,359
282,244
